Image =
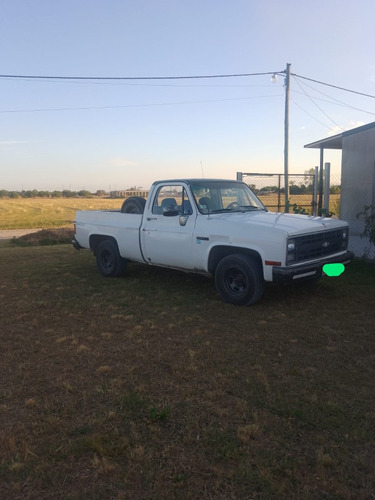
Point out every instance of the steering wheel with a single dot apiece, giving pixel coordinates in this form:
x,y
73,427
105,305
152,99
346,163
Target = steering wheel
x,y
234,204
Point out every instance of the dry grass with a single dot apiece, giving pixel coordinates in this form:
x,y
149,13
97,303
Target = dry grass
x,y
60,212
150,387
48,212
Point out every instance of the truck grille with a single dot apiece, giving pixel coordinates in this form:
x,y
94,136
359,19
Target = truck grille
x,y
317,245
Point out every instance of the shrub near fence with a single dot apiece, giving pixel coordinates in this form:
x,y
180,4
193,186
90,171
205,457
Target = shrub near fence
x,y
299,201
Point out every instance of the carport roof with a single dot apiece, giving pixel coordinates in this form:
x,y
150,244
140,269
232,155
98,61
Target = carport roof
x,y
335,142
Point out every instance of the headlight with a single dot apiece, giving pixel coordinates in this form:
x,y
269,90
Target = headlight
x,y
290,250
291,246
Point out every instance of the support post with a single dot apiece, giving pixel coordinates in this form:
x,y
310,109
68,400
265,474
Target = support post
x,y
327,173
320,200
315,191
286,136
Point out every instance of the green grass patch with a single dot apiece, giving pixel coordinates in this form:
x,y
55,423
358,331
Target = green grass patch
x,y
149,386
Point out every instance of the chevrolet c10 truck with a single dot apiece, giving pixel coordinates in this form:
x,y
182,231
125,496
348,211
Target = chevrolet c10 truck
x,y
214,227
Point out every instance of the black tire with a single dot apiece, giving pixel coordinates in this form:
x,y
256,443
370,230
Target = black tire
x,y
108,259
239,280
133,205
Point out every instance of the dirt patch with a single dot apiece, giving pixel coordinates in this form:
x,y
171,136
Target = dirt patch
x,y
45,237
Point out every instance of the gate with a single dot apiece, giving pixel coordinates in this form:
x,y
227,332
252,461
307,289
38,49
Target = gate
x,y
270,189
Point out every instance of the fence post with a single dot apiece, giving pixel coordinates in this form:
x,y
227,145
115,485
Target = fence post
x,y
315,191
320,202
278,193
327,173
239,176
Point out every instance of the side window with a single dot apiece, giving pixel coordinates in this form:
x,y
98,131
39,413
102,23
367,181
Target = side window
x,y
171,198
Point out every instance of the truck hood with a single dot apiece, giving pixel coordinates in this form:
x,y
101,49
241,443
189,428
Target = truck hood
x,y
292,224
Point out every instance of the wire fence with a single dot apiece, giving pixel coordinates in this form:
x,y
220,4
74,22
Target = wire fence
x,y
312,194
270,188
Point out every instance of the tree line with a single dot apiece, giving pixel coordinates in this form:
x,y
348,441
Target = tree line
x,y
65,193
293,189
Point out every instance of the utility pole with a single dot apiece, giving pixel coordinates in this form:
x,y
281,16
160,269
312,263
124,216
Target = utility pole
x,y
286,136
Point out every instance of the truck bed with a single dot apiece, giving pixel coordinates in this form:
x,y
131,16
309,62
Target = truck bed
x,y
123,227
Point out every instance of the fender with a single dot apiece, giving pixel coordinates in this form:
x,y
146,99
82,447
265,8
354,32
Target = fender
x,y
218,252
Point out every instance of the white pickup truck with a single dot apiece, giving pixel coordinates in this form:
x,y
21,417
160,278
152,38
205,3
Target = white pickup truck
x,y
215,227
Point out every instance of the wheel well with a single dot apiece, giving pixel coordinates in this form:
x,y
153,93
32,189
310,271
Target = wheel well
x,y
219,252
95,239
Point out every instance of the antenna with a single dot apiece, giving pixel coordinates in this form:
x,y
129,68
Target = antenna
x,y
202,169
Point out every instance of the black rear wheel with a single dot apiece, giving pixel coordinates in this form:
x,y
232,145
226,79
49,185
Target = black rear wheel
x,y
108,259
239,280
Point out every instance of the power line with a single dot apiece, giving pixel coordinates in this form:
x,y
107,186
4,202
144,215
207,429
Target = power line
x,y
119,79
85,108
333,100
334,86
183,77
315,104
191,77
311,116
155,85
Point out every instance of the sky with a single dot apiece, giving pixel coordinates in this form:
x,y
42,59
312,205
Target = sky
x,y
115,134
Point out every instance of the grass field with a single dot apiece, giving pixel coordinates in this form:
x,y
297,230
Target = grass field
x,y
149,386
27,213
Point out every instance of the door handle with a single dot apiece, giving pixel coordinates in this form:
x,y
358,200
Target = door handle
x,y
151,218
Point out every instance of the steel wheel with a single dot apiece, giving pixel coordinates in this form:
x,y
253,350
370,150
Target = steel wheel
x,y
239,280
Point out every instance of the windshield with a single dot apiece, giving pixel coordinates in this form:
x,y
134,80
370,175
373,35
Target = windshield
x,y
224,196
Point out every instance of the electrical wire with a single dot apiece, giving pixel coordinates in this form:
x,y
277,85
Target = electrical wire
x,y
123,79
333,86
119,78
184,77
154,85
320,109
135,105
333,100
311,116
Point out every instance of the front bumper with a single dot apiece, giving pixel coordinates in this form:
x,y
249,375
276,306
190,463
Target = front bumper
x,y
289,274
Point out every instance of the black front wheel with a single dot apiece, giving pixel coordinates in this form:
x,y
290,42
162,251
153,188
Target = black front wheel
x,y
108,259
239,280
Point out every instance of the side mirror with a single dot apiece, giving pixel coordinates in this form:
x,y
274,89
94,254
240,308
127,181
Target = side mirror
x,y
183,220
170,212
